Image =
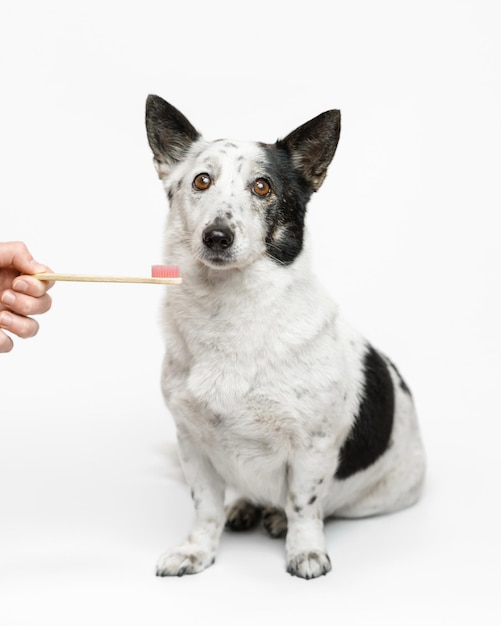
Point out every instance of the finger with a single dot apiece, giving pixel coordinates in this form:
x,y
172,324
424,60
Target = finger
x,y
31,286
18,324
26,305
16,254
6,343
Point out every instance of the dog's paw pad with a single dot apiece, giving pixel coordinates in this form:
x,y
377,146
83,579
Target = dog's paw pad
x,y
181,563
309,565
242,515
275,522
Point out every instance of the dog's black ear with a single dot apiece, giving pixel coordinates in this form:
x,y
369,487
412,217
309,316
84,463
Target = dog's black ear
x,y
170,134
312,146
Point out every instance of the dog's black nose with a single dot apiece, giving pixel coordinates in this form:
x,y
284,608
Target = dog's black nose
x,y
217,237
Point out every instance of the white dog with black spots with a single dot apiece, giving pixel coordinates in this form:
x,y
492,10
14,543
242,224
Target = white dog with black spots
x,y
272,393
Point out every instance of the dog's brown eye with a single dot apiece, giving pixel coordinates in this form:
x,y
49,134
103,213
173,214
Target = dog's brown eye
x,y
261,187
202,182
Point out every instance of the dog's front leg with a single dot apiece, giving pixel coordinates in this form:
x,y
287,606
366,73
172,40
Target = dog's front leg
x,y
207,490
309,475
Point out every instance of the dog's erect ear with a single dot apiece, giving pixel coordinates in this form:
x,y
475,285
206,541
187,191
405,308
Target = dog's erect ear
x,y
170,134
312,146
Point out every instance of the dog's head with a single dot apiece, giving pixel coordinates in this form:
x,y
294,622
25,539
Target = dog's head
x,y
239,201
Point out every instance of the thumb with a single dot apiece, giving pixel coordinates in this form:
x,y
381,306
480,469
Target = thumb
x,y
15,254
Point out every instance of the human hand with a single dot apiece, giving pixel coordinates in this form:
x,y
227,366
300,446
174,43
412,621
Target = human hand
x,y
21,295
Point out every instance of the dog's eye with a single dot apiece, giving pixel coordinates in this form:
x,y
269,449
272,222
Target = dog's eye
x,y
202,182
261,187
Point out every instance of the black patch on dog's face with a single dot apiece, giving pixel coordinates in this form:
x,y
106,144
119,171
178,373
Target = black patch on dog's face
x,y
370,434
286,210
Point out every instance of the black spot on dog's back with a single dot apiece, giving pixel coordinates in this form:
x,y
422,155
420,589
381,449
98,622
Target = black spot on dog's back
x,y
403,385
371,432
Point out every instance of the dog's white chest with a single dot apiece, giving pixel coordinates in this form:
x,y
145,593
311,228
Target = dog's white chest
x,y
243,387
253,352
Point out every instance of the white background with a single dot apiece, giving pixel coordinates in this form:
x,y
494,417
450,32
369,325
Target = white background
x,y
406,237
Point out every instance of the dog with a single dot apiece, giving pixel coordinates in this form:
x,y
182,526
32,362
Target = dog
x,y
273,394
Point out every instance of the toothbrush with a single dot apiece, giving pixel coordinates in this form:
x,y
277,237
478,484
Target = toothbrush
x,y
160,275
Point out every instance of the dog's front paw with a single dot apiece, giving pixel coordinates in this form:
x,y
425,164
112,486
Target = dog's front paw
x,y
182,561
309,565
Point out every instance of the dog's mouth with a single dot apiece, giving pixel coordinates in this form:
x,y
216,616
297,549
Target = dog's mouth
x,y
218,259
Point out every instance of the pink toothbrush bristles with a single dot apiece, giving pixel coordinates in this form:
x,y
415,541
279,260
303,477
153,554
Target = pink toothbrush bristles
x,y
165,271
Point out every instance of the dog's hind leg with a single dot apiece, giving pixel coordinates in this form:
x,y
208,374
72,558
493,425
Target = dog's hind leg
x,y
398,489
243,515
275,522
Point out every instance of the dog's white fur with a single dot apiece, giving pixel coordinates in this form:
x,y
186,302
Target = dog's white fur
x,y
262,376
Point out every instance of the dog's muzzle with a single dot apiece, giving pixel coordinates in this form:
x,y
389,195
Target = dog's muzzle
x,y
218,236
